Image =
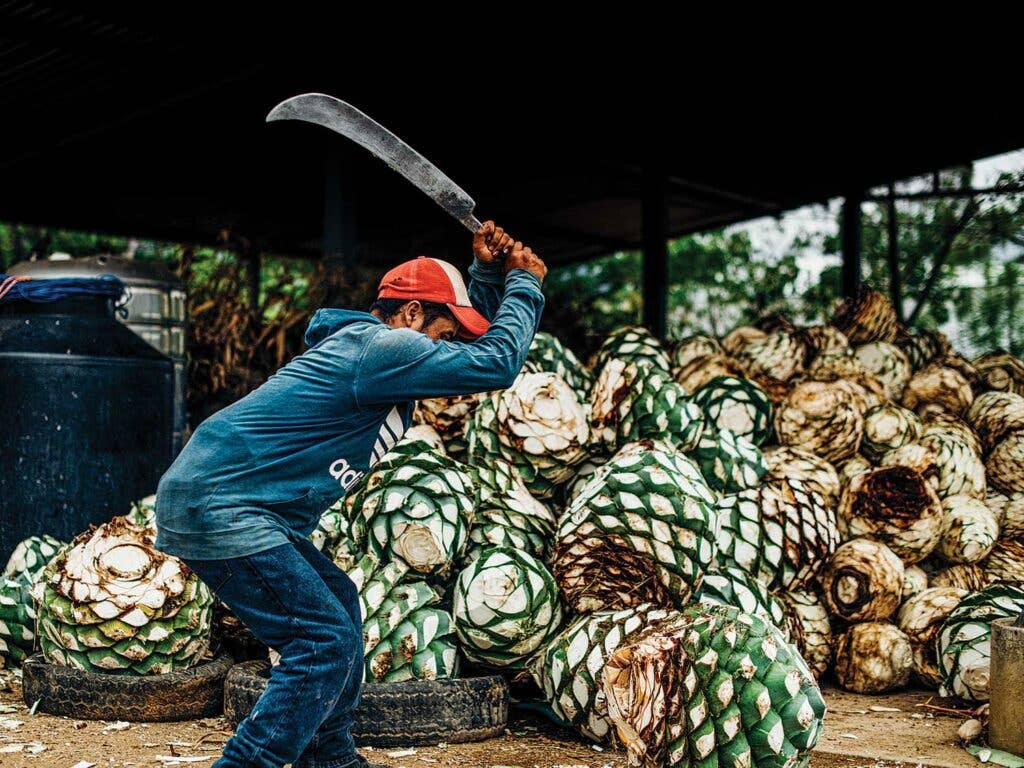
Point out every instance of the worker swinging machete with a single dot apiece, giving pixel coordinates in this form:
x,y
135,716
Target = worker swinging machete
x,y
241,499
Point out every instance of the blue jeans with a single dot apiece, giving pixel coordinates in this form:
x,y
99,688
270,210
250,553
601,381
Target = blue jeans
x,y
296,601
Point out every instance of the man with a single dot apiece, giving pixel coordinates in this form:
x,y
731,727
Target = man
x,y
241,499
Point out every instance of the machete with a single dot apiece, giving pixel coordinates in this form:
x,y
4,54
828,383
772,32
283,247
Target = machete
x,y
354,124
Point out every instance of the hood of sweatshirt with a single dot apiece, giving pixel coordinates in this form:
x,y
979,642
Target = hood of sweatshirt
x,y
327,321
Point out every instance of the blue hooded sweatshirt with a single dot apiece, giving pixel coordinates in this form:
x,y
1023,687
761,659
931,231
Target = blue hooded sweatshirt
x,y
261,471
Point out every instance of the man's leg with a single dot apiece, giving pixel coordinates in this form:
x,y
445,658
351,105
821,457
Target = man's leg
x,y
288,607
333,741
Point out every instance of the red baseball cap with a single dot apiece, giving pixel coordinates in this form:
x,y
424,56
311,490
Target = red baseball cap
x,y
429,279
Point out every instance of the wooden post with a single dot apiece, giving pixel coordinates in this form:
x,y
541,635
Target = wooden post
x,y
654,202
892,234
339,223
851,242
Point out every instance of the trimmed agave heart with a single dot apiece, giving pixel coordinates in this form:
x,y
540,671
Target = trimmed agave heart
x,y
919,619
957,458
1000,371
405,635
699,371
993,415
969,576
887,427
507,515
633,401
820,418
893,505
1006,561
416,507
938,387
713,686
113,603
17,621
449,416
969,530
30,556
823,339
810,629
547,353
631,343
964,644
735,587
729,463
873,657
1008,510
787,462
538,425
868,316
888,363
781,532
506,607
1005,464
739,338
738,405
779,356
568,670
640,530
863,581
684,351
922,347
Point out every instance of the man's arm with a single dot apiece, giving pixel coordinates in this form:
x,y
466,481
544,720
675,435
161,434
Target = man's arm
x,y
400,364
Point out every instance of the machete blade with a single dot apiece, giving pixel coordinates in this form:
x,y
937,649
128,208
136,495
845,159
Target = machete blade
x,y
353,124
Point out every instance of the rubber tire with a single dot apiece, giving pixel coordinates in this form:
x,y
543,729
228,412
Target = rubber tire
x,y
186,694
410,714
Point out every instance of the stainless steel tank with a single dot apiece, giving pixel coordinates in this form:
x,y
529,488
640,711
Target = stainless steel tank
x,y
157,310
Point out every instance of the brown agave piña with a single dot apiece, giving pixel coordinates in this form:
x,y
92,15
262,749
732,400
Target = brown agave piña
x,y
896,506
821,418
863,580
920,619
868,316
873,657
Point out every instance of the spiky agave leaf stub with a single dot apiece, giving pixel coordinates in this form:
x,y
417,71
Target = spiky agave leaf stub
x,y
30,556
713,686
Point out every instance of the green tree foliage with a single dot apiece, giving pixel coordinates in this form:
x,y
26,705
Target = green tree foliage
x,y
960,258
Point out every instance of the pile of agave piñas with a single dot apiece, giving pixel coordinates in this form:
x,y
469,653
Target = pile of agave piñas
x,y
676,540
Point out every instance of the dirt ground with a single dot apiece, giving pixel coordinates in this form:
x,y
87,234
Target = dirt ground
x,y
855,736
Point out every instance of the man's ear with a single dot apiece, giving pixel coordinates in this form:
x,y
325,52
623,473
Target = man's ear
x,y
413,315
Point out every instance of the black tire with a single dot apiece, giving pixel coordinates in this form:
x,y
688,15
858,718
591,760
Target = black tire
x,y
414,713
183,695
